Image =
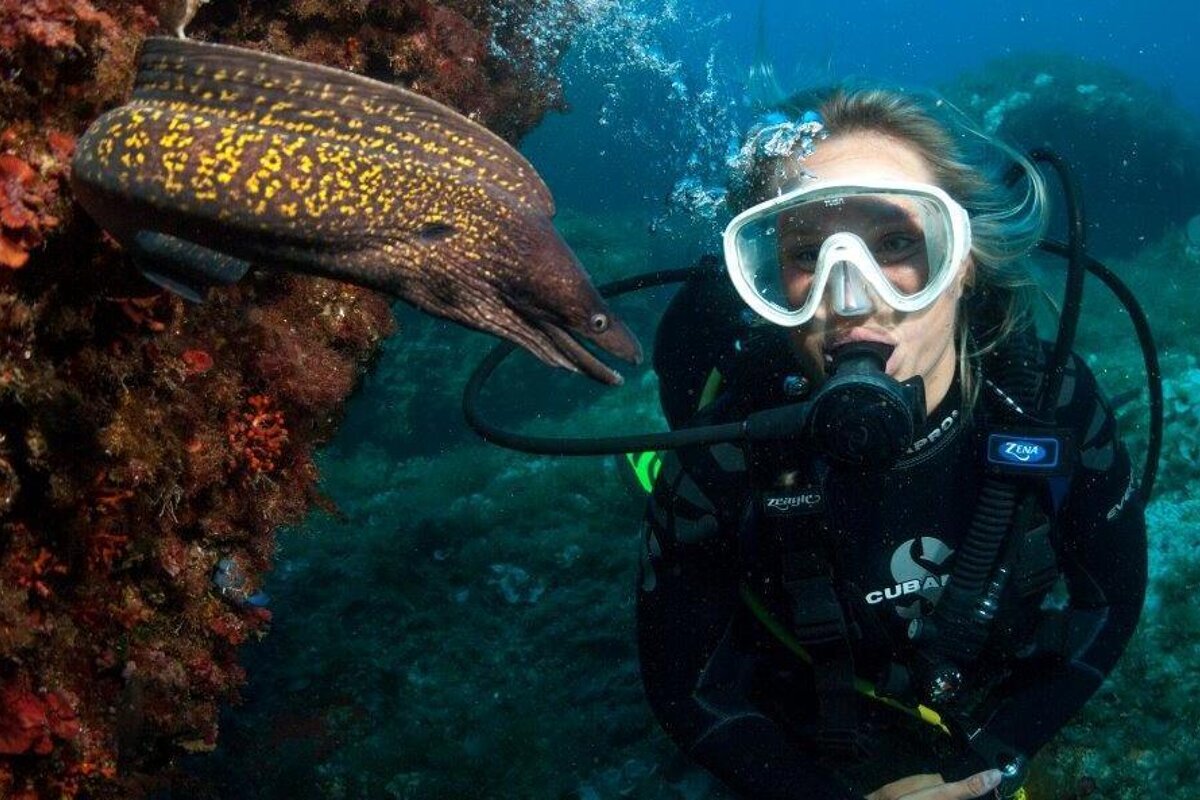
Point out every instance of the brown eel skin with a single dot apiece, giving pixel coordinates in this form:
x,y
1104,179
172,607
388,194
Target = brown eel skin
x,y
225,158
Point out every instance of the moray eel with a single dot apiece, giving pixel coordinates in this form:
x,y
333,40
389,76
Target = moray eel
x,y
225,157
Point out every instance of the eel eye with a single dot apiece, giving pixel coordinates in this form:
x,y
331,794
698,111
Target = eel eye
x,y
435,231
598,323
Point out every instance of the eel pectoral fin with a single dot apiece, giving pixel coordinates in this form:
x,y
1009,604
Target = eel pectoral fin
x,y
184,267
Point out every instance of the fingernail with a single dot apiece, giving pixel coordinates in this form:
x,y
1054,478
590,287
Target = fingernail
x,y
991,778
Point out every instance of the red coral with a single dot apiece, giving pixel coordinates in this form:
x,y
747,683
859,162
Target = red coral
x,y
29,722
104,547
53,24
456,39
33,574
62,146
256,437
20,226
108,499
33,166
196,362
150,313
229,627
455,54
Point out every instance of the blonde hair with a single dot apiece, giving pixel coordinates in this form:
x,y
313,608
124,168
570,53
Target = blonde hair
x,y
1008,218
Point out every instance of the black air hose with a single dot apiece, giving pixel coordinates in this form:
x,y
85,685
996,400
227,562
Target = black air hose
x,y
960,618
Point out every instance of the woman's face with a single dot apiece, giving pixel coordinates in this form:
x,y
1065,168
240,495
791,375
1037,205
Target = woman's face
x,y
924,340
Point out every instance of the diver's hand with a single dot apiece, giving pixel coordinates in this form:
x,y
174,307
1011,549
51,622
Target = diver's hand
x,y
933,787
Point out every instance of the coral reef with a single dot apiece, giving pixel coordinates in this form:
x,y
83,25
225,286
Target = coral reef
x,y
1179,467
449,51
1136,738
150,449
1136,153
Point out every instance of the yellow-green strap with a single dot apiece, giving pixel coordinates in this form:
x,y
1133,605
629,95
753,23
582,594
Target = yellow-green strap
x,y
646,466
921,712
712,386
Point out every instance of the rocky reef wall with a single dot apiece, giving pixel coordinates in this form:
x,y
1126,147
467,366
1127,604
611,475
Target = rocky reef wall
x,y
150,448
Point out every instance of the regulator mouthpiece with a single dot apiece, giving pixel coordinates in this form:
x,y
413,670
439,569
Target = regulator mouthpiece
x,y
861,416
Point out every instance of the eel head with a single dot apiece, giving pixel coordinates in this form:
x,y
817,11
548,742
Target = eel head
x,y
534,293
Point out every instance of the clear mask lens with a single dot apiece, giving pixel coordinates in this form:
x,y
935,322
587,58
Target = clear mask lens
x,y
839,244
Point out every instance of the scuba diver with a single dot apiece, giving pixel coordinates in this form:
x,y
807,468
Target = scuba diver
x,y
894,542
907,593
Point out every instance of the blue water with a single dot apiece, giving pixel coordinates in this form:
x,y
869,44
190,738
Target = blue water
x,y
927,41
637,86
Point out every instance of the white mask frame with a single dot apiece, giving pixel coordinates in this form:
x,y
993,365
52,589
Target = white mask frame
x,y
845,253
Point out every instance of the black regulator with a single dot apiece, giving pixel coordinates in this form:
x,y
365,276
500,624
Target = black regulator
x,y
861,415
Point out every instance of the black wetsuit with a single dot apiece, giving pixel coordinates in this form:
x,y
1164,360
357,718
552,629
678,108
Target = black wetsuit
x,y
742,705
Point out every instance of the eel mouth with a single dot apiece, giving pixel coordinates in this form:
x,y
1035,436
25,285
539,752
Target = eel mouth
x,y
578,357
558,346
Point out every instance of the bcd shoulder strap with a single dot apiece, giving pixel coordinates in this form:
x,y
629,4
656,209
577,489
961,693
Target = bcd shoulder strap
x,y
792,520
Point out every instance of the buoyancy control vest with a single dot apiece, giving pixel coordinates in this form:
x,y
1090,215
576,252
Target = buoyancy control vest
x,y
852,564
805,577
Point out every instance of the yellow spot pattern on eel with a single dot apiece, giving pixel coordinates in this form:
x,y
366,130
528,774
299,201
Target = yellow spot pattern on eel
x,y
200,155
324,122
314,164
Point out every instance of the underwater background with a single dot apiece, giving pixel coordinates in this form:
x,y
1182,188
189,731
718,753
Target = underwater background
x,y
467,630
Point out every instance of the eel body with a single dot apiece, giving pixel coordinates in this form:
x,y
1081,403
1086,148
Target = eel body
x,y
224,158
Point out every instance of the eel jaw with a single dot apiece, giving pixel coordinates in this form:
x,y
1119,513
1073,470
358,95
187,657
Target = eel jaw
x,y
549,342
546,341
574,356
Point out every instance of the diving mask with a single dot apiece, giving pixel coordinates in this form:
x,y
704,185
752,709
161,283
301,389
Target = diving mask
x,y
898,242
